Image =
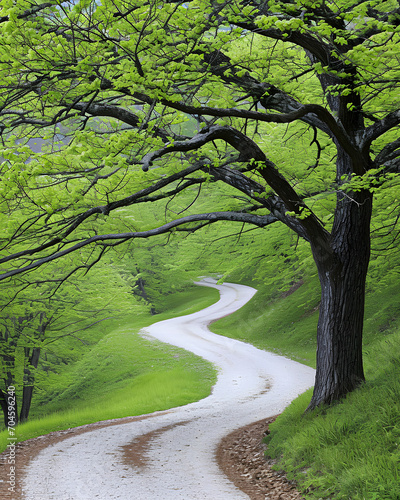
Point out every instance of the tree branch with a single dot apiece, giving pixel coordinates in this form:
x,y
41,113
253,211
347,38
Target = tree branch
x,y
314,45
379,128
31,11
249,151
298,113
106,209
247,148
389,157
119,113
257,220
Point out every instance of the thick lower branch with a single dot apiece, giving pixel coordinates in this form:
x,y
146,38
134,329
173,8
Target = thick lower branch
x,y
249,151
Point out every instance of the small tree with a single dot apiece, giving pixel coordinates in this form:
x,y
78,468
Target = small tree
x,y
34,323
293,105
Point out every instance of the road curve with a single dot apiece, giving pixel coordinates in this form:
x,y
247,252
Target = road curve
x,y
177,446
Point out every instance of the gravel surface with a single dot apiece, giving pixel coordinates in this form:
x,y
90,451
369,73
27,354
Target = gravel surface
x,y
173,455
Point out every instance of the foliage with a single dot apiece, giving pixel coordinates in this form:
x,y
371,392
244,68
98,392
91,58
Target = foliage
x,y
104,89
294,106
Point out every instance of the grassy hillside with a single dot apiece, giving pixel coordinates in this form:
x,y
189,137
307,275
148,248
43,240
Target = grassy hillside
x,y
123,374
349,451
352,450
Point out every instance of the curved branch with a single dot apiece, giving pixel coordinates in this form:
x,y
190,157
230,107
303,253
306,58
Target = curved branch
x,y
106,209
256,191
379,128
315,46
269,96
297,113
257,220
249,151
117,112
389,157
236,139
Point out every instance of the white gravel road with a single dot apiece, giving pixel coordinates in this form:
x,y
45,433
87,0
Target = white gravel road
x,y
180,462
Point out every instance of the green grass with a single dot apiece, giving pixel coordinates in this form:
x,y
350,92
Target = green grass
x,y
284,326
123,375
351,450
148,392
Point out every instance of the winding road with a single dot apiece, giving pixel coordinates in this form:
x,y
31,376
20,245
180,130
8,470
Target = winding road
x,y
176,447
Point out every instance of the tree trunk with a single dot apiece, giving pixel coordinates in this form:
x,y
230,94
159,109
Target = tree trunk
x,y
342,276
29,382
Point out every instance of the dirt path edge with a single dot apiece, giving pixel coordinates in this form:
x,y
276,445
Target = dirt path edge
x,y
240,456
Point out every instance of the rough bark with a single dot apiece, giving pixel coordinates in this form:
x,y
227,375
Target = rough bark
x,y
29,376
342,276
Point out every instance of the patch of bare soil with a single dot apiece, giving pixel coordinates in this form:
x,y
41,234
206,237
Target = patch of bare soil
x,y
135,452
241,457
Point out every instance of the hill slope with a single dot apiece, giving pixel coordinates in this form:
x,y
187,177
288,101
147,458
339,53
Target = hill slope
x,y
351,450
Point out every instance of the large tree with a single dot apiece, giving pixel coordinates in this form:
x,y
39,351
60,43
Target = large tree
x,y
294,105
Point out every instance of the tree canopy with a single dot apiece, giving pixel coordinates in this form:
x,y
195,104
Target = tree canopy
x,y
293,105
